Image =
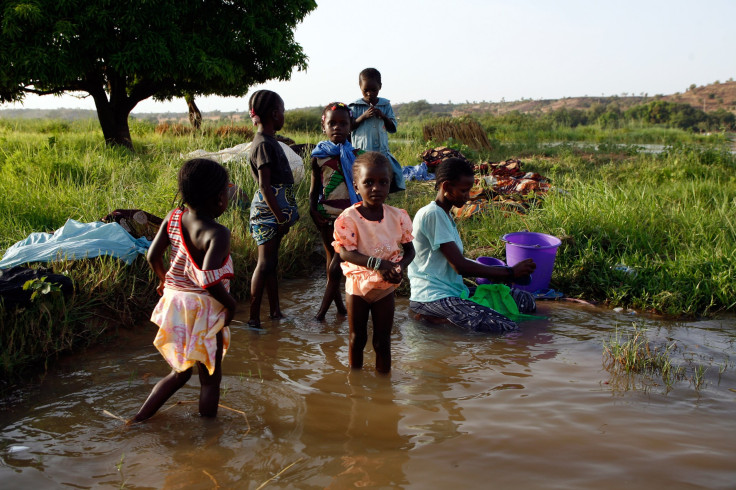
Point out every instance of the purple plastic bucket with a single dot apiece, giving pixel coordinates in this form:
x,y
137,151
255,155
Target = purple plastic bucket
x,y
539,247
487,261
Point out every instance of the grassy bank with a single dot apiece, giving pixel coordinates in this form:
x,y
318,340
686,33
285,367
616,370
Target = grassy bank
x,y
51,171
668,217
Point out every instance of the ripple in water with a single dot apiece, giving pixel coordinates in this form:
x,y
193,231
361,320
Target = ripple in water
x,y
532,409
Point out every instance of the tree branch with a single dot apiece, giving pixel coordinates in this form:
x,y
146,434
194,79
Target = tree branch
x,y
144,90
55,90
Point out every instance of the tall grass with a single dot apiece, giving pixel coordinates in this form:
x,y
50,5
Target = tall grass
x,y
107,295
668,217
52,171
528,136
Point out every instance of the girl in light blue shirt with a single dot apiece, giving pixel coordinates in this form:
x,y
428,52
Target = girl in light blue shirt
x,y
436,274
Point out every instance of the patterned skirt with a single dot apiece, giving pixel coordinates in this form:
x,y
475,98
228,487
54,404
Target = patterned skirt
x,y
472,316
188,325
263,225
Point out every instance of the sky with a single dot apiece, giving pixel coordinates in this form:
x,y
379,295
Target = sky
x,y
493,50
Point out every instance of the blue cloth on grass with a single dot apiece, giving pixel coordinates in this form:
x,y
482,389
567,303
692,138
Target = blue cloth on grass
x,y
76,240
416,172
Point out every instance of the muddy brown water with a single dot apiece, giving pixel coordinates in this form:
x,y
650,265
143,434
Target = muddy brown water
x,y
533,409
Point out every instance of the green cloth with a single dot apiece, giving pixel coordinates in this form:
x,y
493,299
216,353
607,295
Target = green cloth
x,y
498,298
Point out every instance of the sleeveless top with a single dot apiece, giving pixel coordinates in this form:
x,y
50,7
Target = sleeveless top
x,y
183,273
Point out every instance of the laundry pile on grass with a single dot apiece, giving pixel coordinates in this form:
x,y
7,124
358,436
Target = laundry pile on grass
x,y
497,184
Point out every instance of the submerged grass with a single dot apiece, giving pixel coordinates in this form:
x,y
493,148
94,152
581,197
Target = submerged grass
x,y
630,356
667,217
632,353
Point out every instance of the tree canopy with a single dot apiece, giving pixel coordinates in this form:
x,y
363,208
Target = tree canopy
x,y
121,52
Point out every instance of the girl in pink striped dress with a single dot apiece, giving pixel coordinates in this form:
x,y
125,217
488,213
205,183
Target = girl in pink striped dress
x,y
196,307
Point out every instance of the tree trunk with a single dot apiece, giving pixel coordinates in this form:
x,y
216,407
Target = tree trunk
x,y
119,133
195,117
113,117
114,123
113,112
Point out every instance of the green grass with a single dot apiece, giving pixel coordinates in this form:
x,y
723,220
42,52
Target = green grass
x,y
108,295
633,353
528,136
52,171
668,216
629,355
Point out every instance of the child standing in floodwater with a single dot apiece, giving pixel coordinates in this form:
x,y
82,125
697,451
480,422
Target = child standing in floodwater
x,y
332,191
196,307
375,243
374,119
273,209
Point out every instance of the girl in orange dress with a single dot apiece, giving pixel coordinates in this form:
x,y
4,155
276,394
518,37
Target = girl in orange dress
x,y
375,244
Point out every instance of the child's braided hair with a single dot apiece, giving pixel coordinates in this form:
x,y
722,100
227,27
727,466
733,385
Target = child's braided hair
x,y
451,169
262,103
336,106
201,180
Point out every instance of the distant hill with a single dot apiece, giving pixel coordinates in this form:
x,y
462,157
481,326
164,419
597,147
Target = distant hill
x,y
530,106
63,114
709,98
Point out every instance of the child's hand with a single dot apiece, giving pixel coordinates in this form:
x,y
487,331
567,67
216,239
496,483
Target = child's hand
x,y
372,112
160,288
378,113
283,224
524,268
283,228
392,273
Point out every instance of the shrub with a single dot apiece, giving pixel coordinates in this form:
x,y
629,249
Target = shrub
x,y
303,120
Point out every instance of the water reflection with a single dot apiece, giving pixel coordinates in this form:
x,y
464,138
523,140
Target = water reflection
x,y
458,409
458,369
352,437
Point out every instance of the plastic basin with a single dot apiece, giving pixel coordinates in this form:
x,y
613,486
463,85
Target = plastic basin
x,y
487,261
539,247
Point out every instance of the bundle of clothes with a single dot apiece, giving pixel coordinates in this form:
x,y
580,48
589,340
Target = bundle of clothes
x,y
123,234
500,184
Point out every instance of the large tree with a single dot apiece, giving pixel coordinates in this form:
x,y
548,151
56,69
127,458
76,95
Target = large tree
x,y
121,52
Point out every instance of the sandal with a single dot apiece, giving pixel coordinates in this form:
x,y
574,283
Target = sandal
x,y
547,294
